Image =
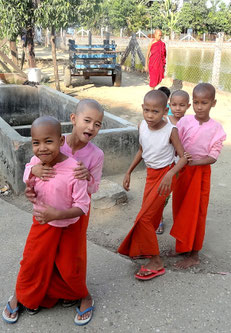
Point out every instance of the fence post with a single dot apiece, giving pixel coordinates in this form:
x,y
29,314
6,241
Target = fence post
x,y
217,60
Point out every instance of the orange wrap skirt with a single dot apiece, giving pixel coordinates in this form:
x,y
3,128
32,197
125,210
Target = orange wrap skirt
x,y
54,264
142,240
190,200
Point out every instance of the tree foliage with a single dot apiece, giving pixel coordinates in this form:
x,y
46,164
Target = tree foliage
x,y
15,15
129,14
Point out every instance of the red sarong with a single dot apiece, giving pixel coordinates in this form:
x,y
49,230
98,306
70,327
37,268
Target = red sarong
x,y
53,265
142,240
190,202
156,64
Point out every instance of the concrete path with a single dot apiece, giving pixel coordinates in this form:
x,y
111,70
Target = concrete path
x,y
176,302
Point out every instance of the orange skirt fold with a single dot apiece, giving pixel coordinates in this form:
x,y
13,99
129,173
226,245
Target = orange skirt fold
x,y
54,264
191,189
142,240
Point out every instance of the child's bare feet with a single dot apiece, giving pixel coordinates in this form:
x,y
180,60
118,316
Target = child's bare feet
x,y
191,260
173,253
154,264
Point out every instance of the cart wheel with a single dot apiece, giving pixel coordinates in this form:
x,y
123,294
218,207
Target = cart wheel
x,y
67,76
117,77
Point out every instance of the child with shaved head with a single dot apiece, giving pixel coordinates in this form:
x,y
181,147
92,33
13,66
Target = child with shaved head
x,y
158,142
49,268
87,121
202,137
179,103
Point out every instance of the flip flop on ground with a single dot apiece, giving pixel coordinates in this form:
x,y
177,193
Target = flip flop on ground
x,y
81,322
160,229
32,312
151,273
66,303
7,319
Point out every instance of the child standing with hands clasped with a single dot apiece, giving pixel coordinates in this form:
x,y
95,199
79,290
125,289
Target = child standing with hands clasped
x,y
202,137
86,121
49,269
158,141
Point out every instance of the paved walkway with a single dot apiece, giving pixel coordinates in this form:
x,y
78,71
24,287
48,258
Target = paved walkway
x,y
176,302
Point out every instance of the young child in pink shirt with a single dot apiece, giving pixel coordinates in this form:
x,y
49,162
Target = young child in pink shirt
x,y
87,121
201,137
50,259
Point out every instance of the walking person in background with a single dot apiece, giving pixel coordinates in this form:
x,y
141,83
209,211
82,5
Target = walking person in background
x,y
156,59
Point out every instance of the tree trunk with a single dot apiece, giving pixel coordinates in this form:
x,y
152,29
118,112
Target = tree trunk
x,y
53,48
30,45
14,52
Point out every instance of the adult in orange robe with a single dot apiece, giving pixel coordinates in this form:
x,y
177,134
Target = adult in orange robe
x,y
156,59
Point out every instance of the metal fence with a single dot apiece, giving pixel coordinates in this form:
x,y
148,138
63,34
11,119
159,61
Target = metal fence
x,y
188,59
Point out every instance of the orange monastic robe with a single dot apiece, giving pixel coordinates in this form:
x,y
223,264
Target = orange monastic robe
x,y
142,240
53,265
191,190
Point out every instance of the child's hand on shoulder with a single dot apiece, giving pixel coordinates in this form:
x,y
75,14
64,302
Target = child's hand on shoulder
x,y
81,172
126,181
45,214
43,172
165,185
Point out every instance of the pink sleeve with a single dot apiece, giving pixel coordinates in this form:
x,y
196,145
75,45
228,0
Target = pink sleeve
x,y
96,174
80,196
216,147
27,172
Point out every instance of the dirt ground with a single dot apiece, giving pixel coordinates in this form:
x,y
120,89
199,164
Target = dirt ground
x,y
108,227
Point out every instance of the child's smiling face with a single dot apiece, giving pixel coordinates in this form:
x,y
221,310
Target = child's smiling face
x,y
87,123
46,144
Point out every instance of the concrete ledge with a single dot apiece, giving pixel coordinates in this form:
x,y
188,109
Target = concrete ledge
x,y
20,105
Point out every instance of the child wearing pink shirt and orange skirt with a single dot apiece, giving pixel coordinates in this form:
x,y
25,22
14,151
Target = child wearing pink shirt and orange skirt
x,y
202,137
50,265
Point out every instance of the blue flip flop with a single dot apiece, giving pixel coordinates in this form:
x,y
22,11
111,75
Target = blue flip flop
x,y
81,322
10,320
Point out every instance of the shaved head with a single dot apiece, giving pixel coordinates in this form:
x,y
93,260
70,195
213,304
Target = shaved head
x,y
157,95
157,30
205,89
47,121
181,93
88,103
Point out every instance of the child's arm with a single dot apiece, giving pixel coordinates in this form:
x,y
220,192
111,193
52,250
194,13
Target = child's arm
x,y
35,168
48,213
93,176
43,172
203,161
135,162
80,205
165,185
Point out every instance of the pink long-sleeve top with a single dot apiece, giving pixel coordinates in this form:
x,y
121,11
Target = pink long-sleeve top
x,y
61,192
201,140
92,157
